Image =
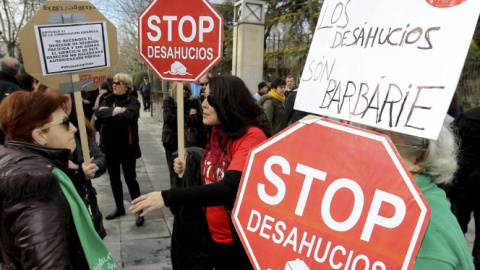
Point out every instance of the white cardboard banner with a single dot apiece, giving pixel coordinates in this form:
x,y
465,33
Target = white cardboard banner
x,y
389,64
72,47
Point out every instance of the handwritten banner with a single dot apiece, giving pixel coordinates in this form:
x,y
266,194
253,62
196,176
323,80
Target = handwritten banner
x,y
390,64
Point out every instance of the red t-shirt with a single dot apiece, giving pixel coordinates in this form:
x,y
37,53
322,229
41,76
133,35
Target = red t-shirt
x,y
217,218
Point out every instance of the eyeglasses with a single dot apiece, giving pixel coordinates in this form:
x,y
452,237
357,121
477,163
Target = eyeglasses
x,y
64,122
120,83
414,147
203,84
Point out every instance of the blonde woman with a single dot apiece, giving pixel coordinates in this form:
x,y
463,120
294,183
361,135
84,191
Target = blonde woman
x,y
118,115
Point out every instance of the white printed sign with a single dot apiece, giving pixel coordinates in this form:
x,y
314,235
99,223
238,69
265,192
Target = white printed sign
x,y
67,48
390,64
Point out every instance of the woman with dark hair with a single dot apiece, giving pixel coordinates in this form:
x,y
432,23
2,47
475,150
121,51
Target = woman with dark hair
x,y
118,115
44,222
273,104
235,124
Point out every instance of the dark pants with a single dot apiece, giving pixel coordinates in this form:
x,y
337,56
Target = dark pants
x,y
229,257
169,150
128,166
146,103
465,200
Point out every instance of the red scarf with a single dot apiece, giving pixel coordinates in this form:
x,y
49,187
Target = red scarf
x,y
216,158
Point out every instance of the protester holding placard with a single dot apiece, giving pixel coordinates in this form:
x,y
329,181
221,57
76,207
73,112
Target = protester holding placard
x,y
192,120
118,115
45,224
273,105
236,124
433,162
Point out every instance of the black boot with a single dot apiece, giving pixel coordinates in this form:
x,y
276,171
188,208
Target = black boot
x,y
138,219
116,213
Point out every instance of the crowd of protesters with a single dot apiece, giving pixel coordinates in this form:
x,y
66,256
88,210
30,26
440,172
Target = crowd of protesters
x,y
49,215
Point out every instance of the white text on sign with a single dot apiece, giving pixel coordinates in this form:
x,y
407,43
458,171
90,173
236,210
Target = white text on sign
x,y
187,29
300,241
373,218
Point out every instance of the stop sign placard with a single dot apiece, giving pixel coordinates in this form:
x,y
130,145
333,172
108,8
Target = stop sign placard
x,y
180,40
325,195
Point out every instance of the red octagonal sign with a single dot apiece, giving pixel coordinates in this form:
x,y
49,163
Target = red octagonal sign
x,y
324,195
180,40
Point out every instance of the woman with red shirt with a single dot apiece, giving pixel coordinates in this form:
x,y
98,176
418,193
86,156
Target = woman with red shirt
x,y
235,124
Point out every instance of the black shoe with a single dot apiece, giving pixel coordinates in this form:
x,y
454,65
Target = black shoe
x,y
116,213
138,219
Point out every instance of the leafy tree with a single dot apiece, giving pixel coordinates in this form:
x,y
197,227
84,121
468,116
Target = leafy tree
x,y
294,21
225,64
13,16
468,88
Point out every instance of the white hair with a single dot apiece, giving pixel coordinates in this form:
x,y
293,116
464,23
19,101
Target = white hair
x,y
441,160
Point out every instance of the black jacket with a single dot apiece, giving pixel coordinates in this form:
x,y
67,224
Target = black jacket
x,y
8,85
37,229
190,229
169,130
119,133
468,125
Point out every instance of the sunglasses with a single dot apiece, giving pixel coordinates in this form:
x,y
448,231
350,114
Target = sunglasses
x,y
210,100
64,122
203,84
120,83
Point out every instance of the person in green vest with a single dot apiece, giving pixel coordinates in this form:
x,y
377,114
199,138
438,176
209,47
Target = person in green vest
x,y
44,224
434,162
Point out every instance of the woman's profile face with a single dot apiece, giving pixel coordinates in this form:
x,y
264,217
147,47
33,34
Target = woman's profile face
x,y
210,117
59,133
119,87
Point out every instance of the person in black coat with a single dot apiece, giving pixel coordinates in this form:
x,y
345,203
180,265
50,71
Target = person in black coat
x,y
145,90
9,73
192,119
37,227
118,115
466,184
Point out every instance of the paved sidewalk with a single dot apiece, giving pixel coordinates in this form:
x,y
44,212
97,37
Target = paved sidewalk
x,y
146,247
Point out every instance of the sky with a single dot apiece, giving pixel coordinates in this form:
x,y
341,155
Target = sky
x,y
112,11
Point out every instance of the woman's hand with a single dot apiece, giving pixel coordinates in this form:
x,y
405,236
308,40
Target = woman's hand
x,y
118,110
72,165
178,166
90,169
192,111
147,203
